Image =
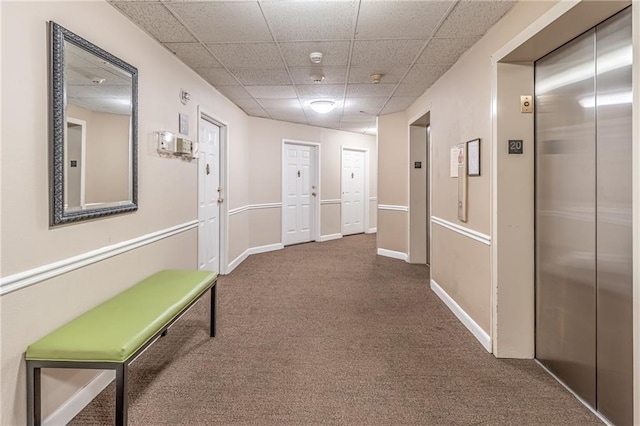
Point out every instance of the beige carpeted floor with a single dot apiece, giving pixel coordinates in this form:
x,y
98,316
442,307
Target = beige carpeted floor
x,y
330,333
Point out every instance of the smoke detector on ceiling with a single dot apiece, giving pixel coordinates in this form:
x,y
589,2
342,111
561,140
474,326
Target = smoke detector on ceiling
x,y
316,78
375,78
315,57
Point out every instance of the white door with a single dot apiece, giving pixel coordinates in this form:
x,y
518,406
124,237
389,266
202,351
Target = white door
x,y
209,192
353,174
299,193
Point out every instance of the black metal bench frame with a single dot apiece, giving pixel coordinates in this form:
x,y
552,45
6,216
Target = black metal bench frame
x,y
34,416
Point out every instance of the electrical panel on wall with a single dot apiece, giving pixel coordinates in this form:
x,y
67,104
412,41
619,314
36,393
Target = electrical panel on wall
x,y
170,145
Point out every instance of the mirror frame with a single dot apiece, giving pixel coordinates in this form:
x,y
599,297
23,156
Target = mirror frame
x,y
58,35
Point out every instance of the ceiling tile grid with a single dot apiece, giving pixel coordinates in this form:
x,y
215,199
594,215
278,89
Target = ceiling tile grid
x,y
256,52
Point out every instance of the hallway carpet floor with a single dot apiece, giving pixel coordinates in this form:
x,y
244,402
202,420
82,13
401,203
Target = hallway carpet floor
x,y
330,333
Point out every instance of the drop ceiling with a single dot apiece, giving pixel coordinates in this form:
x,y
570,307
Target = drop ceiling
x,y
256,53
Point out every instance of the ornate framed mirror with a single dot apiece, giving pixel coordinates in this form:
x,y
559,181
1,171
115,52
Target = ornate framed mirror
x,y
94,130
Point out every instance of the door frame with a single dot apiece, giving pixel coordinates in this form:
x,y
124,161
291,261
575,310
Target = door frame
x,y
315,232
344,148
223,253
83,155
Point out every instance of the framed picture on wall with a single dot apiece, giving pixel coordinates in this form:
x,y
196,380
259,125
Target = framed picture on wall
x,y
473,157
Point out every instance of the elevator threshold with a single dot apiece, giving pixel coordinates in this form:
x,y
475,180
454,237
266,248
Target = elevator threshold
x,y
582,401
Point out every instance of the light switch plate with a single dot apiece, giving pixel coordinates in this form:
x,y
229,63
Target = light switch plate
x,y
183,124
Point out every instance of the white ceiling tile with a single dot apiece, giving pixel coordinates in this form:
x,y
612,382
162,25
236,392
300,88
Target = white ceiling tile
x,y
356,127
256,112
247,55
272,92
331,124
359,119
332,75
366,107
390,74
264,76
399,19
234,92
287,114
413,90
369,90
280,103
425,74
321,91
246,103
334,53
377,53
217,76
222,21
446,50
157,21
193,54
398,103
473,18
306,20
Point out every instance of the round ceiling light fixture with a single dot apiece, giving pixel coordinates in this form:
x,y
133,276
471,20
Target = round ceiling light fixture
x,y
322,106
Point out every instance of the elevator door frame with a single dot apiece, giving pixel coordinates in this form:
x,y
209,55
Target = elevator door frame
x,y
512,326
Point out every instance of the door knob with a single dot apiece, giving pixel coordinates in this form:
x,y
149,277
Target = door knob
x,y
220,200
313,193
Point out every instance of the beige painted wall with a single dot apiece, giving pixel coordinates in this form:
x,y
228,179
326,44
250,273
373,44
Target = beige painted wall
x,y
514,230
393,181
460,110
107,155
418,215
167,187
265,140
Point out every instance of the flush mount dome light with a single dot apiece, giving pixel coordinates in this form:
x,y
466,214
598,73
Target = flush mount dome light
x,y
322,106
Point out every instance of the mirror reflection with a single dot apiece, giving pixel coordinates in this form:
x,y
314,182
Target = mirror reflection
x,y
98,117
94,130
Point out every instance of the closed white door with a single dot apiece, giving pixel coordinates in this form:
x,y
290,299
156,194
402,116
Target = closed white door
x,y
353,174
299,193
209,195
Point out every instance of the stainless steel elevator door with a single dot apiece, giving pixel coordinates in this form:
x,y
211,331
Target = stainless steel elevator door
x,y
614,264
565,215
583,216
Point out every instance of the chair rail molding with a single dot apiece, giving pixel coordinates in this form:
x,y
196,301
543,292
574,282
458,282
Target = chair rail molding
x,y
32,276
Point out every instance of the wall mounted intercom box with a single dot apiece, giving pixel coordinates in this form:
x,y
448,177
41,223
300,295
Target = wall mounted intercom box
x,y
168,144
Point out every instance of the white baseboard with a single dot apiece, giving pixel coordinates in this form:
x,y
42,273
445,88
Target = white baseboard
x,y
252,250
72,406
372,230
329,237
472,326
393,254
238,260
264,249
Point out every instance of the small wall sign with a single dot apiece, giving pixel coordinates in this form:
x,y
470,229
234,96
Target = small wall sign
x,y
183,124
515,146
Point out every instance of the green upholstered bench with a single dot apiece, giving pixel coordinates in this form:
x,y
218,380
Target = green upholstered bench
x,y
111,335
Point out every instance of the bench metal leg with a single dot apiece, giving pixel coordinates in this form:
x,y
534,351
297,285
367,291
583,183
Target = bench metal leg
x,y
212,330
122,371
34,417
